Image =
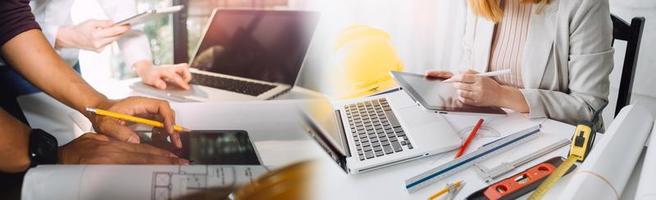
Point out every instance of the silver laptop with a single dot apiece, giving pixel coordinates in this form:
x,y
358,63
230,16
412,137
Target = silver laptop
x,y
246,55
375,132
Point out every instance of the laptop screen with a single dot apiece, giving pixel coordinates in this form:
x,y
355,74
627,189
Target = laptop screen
x,y
262,45
320,115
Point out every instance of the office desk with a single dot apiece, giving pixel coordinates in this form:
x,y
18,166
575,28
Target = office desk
x,y
286,145
388,183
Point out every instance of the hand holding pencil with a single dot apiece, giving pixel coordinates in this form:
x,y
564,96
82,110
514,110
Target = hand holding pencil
x,y
109,118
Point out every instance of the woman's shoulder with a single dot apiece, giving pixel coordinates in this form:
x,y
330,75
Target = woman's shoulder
x,y
582,6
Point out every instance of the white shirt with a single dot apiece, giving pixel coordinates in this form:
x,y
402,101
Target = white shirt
x,y
52,14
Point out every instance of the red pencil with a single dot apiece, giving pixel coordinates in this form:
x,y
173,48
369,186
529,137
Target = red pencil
x,y
471,137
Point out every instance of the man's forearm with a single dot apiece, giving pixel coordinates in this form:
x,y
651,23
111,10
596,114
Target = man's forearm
x,y
32,56
14,143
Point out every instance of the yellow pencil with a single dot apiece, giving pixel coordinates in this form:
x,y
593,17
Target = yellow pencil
x,y
444,190
133,119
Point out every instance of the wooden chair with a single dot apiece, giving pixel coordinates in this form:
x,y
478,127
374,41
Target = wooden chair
x,y
632,34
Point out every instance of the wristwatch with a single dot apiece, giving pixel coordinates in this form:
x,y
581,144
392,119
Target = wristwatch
x,y
43,148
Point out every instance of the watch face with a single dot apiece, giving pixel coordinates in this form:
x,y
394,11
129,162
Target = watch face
x,y
43,148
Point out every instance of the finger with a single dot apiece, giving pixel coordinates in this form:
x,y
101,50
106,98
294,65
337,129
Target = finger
x,y
145,149
158,83
96,136
439,74
112,128
176,79
96,24
143,105
164,110
463,86
113,31
103,23
453,79
466,94
175,138
183,70
102,43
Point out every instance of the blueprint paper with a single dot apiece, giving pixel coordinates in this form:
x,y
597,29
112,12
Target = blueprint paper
x,y
154,182
608,167
648,175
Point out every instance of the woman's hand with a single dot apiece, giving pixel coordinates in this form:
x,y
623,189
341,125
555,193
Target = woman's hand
x,y
92,148
477,90
160,76
485,91
137,106
92,35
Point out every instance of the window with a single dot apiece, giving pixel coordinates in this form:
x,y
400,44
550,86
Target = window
x,y
109,65
159,32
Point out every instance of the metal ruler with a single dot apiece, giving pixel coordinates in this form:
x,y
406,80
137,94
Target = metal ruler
x,y
431,176
490,175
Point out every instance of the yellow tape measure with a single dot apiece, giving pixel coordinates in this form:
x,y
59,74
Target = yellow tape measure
x,y
581,144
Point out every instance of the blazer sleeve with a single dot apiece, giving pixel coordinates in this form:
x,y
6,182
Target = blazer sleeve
x,y
590,62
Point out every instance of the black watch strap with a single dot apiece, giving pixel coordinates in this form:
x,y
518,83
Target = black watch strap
x,y
43,148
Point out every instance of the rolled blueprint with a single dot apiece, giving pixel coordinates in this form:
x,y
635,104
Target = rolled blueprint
x,y
91,182
648,176
607,169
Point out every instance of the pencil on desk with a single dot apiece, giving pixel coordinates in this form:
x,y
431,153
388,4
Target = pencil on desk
x,y
134,119
444,190
470,138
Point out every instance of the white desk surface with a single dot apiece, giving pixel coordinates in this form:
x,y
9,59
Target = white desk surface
x,y
331,182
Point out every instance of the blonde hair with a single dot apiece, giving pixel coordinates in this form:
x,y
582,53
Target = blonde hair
x,y
491,9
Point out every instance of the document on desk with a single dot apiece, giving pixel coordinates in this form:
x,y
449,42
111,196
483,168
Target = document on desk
x,y
72,182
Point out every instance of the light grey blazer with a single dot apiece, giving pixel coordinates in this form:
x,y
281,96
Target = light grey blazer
x,y
566,62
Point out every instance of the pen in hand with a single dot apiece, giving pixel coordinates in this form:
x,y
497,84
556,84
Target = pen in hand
x,y
134,119
484,74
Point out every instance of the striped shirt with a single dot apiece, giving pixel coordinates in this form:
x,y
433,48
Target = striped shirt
x,y
508,43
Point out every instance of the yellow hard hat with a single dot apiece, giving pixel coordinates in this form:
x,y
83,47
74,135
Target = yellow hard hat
x,y
364,56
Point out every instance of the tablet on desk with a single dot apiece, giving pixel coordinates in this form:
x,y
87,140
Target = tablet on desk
x,y
209,147
148,15
433,94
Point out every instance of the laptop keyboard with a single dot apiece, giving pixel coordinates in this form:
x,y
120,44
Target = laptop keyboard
x,y
375,129
233,85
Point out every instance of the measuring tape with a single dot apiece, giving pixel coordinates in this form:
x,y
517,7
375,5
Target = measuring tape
x,y
582,141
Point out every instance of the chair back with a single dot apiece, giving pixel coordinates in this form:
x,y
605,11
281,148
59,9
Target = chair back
x,y
632,34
